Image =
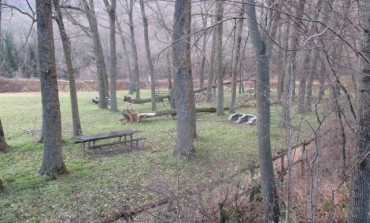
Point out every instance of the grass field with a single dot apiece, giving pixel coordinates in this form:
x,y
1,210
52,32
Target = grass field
x,y
98,186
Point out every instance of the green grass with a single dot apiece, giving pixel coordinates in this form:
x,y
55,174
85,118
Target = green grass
x,y
100,185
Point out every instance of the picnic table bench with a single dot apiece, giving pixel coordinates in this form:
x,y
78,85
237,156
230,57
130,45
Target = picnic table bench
x,y
119,137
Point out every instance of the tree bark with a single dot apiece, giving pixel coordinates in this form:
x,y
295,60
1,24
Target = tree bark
x,y
359,199
219,59
3,145
128,60
283,39
204,48
77,129
135,63
291,63
211,74
149,56
310,79
303,81
111,9
185,104
236,62
262,49
52,163
98,51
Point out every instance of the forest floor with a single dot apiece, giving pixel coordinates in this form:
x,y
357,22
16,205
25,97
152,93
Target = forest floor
x,y
99,186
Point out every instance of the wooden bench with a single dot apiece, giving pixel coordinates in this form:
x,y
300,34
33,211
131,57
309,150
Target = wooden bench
x,y
119,137
162,94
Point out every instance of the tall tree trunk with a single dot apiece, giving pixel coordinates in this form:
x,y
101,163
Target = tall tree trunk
x,y
149,56
3,145
185,104
204,48
359,194
303,81
219,59
135,62
307,100
128,60
52,163
269,194
211,74
280,63
236,62
98,51
111,9
292,62
310,79
77,130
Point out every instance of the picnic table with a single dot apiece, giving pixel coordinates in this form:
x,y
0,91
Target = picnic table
x,y
117,137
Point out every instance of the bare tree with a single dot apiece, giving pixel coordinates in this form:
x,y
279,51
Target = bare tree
x,y
359,199
204,49
128,60
185,104
89,10
77,130
149,56
236,61
135,63
111,8
291,62
218,57
52,163
311,74
263,48
211,73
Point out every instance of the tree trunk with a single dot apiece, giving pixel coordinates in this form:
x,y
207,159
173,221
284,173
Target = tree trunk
x,y
77,130
359,194
128,60
52,164
204,48
291,63
303,81
269,194
185,104
1,185
149,56
135,63
281,62
236,62
211,74
310,79
111,9
219,59
3,145
98,51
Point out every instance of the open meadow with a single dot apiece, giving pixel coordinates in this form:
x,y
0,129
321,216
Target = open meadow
x,y
98,186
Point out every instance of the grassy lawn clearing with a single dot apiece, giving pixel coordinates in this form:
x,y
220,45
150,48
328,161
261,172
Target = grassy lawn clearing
x,y
98,186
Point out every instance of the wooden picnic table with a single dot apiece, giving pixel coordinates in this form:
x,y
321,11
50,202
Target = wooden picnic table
x,y
120,137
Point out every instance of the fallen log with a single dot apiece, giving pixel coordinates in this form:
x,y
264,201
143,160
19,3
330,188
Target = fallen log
x,y
147,100
134,117
128,213
214,86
